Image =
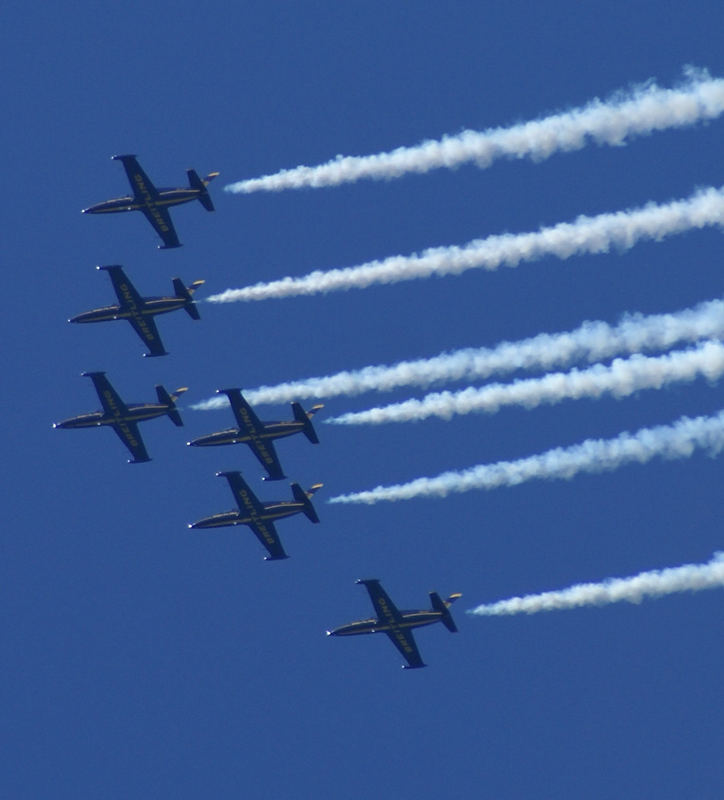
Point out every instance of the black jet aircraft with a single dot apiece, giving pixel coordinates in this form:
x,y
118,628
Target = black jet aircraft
x,y
259,435
140,311
154,202
398,624
124,418
260,516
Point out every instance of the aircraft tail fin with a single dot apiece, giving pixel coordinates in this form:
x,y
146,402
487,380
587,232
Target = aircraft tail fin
x,y
186,293
305,498
197,183
305,417
443,606
169,400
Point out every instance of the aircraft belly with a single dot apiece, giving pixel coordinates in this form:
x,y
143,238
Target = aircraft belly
x,y
143,413
152,307
352,630
80,422
228,438
100,315
278,433
218,520
279,513
175,200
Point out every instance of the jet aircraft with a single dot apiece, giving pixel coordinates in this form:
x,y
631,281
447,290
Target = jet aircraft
x,y
259,435
154,202
260,516
398,624
124,418
140,311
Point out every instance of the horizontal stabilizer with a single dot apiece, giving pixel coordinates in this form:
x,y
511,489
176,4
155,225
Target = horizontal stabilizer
x,y
186,293
305,499
443,607
169,400
200,185
305,417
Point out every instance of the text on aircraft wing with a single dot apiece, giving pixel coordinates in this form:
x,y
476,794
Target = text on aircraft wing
x,y
384,607
266,453
128,297
141,185
130,436
405,643
248,503
111,402
159,217
246,499
266,533
244,414
146,328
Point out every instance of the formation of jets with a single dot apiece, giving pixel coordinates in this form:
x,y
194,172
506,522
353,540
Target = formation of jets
x,y
259,435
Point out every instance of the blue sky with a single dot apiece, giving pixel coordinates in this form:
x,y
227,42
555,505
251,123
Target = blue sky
x,y
143,659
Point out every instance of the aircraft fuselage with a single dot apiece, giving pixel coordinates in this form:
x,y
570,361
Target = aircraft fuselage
x,y
271,430
410,619
132,413
272,511
167,197
150,307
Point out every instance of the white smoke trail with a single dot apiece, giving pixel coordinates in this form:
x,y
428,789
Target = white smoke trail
x,y
592,341
679,440
621,229
656,583
621,378
640,111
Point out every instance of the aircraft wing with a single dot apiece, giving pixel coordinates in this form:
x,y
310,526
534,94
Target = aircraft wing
x,y
244,414
111,402
245,498
141,185
161,221
126,293
386,610
130,436
266,533
146,328
265,451
248,421
405,643
247,501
